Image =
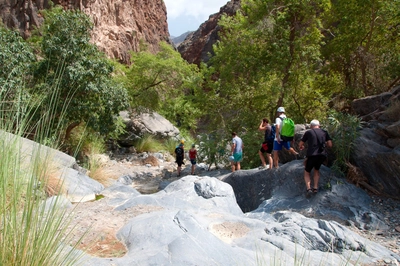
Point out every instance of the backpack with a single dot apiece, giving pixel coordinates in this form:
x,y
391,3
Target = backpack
x,y
179,152
287,131
271,135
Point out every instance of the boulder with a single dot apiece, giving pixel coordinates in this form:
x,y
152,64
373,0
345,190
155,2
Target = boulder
x,y
371,104
137,125
379,163
284,189
377,151
77,186
196,221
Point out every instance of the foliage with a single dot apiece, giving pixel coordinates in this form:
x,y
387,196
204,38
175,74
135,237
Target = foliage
x,y
32,232
163,82
148,143
268,56
16,58
170,145
213,150
252,140
87,94
362,46
344,129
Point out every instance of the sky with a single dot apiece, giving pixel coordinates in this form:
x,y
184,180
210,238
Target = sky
x,y
187,15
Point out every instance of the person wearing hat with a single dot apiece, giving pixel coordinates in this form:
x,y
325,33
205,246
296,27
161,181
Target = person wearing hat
x,y
317,140
278,142
179,153
192,157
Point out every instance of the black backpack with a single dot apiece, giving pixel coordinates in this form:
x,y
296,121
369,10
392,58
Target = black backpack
x,y
179,152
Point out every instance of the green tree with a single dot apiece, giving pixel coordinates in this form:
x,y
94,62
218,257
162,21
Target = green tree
x,y
16,60
81,74
165,83
269,56
363,46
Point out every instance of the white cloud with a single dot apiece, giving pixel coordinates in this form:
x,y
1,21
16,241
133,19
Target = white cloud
x,y
199,9
184,15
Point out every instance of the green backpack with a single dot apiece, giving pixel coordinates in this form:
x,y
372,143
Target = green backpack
x,y
287,131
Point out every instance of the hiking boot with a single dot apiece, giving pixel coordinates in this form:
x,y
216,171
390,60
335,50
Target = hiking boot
x,y
309,193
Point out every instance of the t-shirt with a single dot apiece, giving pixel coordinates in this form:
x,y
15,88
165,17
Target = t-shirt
x,y
279,122
310,136
192,154
239,143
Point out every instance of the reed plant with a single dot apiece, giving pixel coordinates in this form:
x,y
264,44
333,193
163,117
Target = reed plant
x,y
345,129
148,143
31,232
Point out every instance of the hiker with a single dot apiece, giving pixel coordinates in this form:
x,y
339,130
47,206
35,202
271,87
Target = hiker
x,y
268,144
192,157
317,139
179,153
236,152
279,142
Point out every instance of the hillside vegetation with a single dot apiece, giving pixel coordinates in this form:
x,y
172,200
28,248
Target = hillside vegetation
x,y
313,57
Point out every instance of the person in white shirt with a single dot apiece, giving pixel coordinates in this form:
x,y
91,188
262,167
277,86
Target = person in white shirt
x,y
278,142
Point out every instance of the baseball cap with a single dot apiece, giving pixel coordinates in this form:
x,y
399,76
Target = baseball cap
x,y
281,110
314,122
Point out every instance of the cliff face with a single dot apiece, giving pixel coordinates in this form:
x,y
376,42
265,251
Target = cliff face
x,y
198,45
119,25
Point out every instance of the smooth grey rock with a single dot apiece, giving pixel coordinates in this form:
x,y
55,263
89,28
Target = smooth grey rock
x,y
208,228
380,164
284,189
79,187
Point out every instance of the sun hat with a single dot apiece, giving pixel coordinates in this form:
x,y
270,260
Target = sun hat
x,y
281,110
314,122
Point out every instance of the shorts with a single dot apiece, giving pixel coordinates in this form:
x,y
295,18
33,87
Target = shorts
x,y
238,157
266,147
314,162
278,146
193,161
179,161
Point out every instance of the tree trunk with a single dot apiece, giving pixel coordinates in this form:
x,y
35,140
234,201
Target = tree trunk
x,y
69,129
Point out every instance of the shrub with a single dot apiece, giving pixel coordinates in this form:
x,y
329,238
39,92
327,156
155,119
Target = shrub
x,y
344,129
32,232
148,143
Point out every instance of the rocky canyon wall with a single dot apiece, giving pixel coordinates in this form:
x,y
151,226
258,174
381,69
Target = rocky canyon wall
x,y
197,46
119,25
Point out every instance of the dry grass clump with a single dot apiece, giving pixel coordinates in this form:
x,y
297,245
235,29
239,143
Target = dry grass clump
x,y
356,176
153,161
102,175
53,184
